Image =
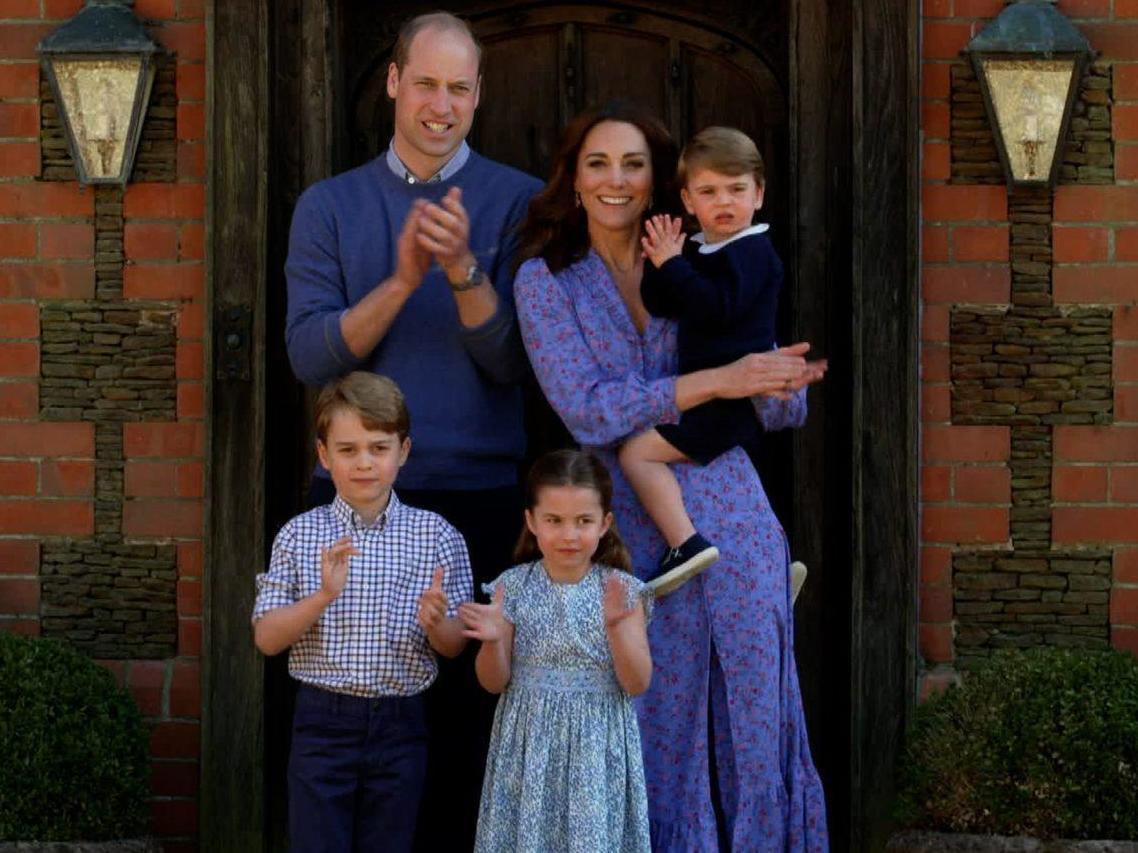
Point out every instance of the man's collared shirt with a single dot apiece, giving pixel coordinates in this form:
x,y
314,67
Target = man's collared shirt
x,y
368,641
444,174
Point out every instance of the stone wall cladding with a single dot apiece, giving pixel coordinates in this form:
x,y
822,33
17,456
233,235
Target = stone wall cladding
x,y
1030,365
110,362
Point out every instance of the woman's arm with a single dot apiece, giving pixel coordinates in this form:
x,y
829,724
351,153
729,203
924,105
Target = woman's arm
x,y
599,408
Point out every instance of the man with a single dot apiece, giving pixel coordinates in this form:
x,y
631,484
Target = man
x,y
403,266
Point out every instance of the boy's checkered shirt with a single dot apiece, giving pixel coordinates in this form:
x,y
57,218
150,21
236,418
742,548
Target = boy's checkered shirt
x,y
368,641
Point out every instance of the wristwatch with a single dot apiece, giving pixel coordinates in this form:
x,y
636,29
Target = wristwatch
x,y
474,276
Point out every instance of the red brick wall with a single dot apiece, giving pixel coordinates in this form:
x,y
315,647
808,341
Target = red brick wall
x,y
47,470
965,481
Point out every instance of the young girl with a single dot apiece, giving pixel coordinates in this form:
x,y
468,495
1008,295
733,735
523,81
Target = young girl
x,y
723,291
564,641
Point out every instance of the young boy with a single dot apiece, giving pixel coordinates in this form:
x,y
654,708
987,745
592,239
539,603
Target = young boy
x,y
722,288
363,591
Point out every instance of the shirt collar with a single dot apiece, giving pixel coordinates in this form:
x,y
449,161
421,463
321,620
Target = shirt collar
x,y
343,511
444,174
706,248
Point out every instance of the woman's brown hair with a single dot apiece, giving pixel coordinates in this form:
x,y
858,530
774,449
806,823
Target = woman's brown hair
x,y
555,228
573,468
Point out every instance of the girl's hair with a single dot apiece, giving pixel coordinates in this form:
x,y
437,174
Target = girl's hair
x,y
555,228
724,150
573,468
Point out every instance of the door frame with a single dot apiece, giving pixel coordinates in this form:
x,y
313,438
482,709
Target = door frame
x,y
855,162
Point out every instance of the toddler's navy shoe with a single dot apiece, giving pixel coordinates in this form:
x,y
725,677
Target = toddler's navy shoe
x,y
680,565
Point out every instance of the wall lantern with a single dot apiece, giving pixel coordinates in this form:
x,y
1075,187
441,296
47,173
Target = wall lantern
x,y
1029,62
101,66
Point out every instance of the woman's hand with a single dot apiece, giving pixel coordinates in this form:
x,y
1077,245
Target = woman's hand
x,y
663,239
485,622
778,373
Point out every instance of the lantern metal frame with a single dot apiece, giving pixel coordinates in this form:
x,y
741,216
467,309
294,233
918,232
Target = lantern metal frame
x,y
1030,31
102,30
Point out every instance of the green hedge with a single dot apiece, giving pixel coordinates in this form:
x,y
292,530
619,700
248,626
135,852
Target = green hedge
x,y
1041,743
73,748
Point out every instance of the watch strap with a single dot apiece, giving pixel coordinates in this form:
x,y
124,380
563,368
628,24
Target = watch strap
x,y
474,276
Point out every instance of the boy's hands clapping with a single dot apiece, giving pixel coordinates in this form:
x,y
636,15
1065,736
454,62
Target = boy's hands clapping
x,y
334,567
433,603
663,239
485,622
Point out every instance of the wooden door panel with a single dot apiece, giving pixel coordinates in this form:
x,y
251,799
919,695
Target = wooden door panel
x,y
518,120
622,64
719,90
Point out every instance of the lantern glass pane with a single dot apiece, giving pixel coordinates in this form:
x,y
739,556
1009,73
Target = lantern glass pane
x,y
1029,97
98,95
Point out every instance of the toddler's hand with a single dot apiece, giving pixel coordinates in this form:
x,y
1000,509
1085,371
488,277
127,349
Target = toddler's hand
x,y
433,603
615,600
485,622
334,567
663,239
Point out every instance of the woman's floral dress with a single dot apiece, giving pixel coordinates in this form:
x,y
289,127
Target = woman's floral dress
x,y
724,686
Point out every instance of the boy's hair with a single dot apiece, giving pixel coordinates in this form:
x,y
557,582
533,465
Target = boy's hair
x,y
376,399
724,150
437,20
573,468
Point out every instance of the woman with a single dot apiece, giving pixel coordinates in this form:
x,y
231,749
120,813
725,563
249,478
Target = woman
x,y
725,749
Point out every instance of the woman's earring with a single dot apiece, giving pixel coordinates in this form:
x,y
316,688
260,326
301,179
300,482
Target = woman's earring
x,y
576,199
651,201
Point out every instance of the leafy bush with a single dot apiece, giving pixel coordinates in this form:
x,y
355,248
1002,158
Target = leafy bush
x,y
73,749
1041,743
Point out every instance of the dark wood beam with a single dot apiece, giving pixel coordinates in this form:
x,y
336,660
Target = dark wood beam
x,y
885,548
232,730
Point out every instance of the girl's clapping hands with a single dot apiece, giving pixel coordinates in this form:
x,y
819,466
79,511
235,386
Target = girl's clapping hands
x,y
485,622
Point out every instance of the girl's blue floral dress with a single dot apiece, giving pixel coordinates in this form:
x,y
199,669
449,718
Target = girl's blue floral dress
x,y
564,772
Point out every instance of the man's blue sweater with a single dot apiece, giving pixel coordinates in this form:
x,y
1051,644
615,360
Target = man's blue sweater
x,y
461,384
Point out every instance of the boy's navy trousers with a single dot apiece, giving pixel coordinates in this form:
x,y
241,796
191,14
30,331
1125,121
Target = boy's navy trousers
x,y
355,772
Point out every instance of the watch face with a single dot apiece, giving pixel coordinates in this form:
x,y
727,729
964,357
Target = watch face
x,y
473,278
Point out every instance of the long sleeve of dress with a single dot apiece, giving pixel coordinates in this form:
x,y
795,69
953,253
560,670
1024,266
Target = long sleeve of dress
x,y
599,406
775,414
